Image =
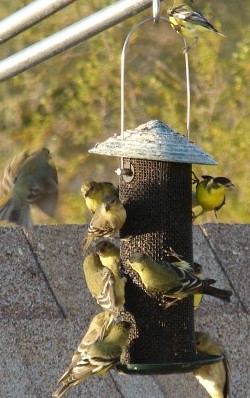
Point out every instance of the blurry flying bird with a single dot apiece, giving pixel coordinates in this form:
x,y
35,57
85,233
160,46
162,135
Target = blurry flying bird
x,y
11,172
30,179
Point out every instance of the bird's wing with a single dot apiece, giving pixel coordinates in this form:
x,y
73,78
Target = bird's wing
x,y
99,227
11,172
105,355
107,297
79,370
187,281
197,18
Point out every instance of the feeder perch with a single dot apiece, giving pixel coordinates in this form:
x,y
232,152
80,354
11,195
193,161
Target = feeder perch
x,y
156,189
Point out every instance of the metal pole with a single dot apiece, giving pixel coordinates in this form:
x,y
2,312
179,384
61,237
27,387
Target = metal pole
x,y
29,16
70,36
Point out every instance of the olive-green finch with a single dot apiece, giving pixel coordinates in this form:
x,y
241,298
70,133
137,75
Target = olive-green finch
x,y
215,377
171,280
99,357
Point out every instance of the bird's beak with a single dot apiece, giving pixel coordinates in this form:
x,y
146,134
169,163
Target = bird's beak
x,y
230,186
86,192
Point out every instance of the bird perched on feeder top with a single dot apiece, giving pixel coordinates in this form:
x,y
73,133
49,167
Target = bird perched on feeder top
x,y
172,281
215,377
30,179
107,289
95,192
189,22
107,220
210,193
97,360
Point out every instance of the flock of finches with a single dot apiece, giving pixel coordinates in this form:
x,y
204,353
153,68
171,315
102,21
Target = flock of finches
x,y
31,179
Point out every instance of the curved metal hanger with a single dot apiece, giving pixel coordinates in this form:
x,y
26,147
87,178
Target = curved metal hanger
x,y
156,18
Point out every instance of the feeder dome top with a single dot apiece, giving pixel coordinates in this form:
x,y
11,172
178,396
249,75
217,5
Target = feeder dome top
x,y
153,140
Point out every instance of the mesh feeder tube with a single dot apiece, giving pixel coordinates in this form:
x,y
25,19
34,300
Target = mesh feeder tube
x,y
157,195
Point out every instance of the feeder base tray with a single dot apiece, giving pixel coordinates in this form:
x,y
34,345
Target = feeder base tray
x,y
168,368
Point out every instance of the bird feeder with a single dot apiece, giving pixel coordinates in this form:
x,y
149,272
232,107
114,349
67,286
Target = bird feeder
x,y
156,189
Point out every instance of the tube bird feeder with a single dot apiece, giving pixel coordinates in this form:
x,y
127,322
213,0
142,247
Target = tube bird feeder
x,y
156,190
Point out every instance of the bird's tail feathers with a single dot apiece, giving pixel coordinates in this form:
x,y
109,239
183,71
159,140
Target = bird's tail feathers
x,y
60,391
12,213
215,292
219,33
87,242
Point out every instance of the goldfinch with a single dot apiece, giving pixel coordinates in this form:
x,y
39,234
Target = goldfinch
x,y
210,193
109,255
186,20
95,192
215,377
107,220
171,280
101,283
99,357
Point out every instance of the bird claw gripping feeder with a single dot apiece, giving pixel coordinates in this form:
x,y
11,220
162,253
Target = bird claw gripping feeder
x,y
156,189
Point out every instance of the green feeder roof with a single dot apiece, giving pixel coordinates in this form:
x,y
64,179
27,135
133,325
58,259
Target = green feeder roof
x,y
153,140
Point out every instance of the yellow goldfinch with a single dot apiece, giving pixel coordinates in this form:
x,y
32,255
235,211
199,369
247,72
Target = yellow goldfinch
x,y
97,360
215,377
107,220
109,255
95,192
189,22
98,329
102,284
172,281
210,193
32,179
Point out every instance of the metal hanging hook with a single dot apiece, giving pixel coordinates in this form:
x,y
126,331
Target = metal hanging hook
x,y
187,85
156,18
123,58
156,10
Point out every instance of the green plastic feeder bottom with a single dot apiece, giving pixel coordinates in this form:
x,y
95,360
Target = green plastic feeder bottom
x,y
169,368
